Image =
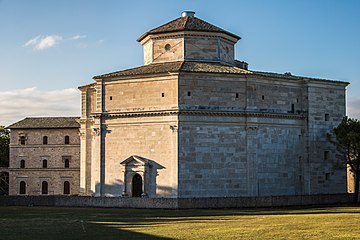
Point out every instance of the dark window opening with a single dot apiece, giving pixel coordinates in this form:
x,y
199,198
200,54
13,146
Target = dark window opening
x,y
263,97
292,108
110,97
137,186
22,164
327,117
297,100
326,155
162,94
44,187
327,176
67,163
44,163
167,47
22,140
45,140
236,95
67,140
66,187
22,187
189,94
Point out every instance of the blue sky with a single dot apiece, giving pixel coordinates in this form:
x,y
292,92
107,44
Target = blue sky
x,y
49,48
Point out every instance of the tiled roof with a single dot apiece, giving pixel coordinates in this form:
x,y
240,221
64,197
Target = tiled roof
x,y
290,76
187,23
46,122
179,66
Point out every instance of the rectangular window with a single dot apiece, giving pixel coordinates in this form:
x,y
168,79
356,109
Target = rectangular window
x,y
189,94
327,117
292,108
110,97
44,163
236,95
22,140
326,155
162,94
327,176
67,140
66,160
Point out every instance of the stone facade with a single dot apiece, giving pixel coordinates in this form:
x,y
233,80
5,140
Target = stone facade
x,y
44,159
195,122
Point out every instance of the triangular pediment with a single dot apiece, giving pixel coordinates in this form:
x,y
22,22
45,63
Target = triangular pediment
x,y
135,160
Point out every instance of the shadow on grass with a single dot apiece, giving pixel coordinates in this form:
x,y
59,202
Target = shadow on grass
x,y
115,223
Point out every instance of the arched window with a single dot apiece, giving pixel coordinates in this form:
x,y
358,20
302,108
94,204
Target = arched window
x,y
44,187
45,140
67,140
22,163
67,163
66,187
22,187
44,163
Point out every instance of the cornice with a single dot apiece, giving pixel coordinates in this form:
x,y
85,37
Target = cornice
x,y
199,113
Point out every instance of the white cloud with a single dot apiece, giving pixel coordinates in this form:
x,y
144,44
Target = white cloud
x,y
43,42
32,102
76,37
353,107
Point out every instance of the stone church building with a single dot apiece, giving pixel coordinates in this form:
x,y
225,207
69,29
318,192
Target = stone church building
x,y
195,122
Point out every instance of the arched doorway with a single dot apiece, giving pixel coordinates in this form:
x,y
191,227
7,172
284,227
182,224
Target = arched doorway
x,y
44,187
22,189
66,187
137,185
4,183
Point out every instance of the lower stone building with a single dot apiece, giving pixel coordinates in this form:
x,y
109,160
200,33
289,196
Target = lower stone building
x,y
44,156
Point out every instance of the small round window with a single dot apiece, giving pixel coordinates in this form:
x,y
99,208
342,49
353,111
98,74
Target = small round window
x,y
167,47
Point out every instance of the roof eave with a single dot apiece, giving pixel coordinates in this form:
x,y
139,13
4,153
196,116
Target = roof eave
x,y
142,37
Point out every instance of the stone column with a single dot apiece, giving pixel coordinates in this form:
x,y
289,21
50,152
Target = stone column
x,y
144,188
124,194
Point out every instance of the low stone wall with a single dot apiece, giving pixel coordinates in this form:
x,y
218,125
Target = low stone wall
x,y
175,203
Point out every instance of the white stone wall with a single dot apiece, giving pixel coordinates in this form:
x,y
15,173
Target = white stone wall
x,y
149,137
235,135
188,46
228,156
326,175
212,160
141,94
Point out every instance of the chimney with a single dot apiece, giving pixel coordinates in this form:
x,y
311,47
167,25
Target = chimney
x,y
188,14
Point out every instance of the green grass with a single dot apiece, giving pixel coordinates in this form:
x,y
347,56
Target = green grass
x,y
99,223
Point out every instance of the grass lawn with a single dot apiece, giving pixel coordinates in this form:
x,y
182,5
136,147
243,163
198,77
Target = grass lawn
x,y
342,222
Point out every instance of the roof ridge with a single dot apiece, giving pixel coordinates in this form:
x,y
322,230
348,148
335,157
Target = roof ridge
x,y
186,21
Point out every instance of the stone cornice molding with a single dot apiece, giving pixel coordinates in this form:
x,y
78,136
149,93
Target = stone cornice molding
x,y
199,113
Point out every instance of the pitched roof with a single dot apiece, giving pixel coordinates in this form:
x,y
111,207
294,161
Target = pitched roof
x,y
180,66
46,122
188,23
136,159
